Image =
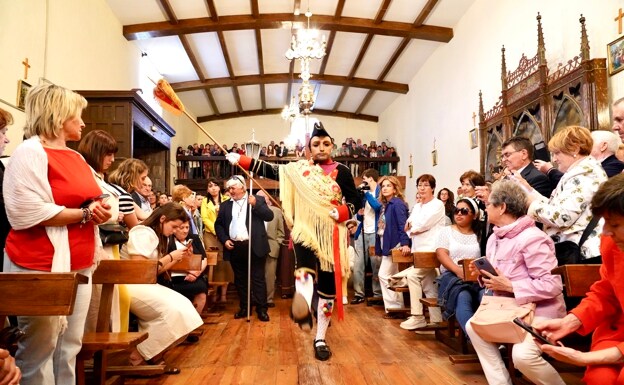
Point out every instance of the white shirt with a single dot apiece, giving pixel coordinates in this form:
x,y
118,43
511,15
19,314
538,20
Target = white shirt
x,y
238,227
427,219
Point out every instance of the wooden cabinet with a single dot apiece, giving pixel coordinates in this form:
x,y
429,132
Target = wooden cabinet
x,y
140,132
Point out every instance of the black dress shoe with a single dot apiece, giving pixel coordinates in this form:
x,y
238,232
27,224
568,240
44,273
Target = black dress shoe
x,y
357,300
263,316
240,314
321,351
270,304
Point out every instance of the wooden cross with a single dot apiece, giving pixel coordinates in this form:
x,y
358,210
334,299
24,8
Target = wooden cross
x,y
27,66
619,20
474,119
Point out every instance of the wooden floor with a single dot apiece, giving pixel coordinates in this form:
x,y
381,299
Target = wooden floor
x,y
367,349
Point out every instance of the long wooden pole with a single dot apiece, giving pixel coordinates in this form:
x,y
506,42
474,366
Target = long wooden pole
x,y
222,148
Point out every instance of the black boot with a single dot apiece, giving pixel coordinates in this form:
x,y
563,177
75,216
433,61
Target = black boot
x,y
321,350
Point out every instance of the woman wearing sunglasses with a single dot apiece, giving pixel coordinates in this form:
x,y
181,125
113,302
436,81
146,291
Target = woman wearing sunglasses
x,y
454,243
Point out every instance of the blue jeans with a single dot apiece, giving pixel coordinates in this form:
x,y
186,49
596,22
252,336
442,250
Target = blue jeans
x,y
45,355
467,304
359,267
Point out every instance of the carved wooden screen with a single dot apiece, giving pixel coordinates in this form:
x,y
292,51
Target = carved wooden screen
x,y
536,104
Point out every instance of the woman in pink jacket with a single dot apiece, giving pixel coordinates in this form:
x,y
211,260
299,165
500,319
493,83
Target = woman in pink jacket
x,y
523,256
602,310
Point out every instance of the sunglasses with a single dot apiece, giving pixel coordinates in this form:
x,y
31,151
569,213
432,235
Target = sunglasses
x,y
462,211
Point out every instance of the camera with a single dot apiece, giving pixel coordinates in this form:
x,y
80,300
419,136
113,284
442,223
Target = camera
x,y
363,187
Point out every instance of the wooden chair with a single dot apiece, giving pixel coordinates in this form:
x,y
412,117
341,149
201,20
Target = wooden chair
x,y
211,262
97,345
577,279
404,262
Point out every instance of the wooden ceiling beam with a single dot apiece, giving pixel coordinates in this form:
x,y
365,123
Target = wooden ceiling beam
x,y
191,55
260,66
255,11
289,81
275,111
332,36
166,6
248,80
383,8
212,10
228,64
425,12
365,101
213,103
339,9
356,65
285,20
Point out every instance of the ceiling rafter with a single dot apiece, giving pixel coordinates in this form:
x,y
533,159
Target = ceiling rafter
x,y
273,111
383,8
281,20
291,75
228,64
287,78
212,10
332,36
420,19
189,52
255,11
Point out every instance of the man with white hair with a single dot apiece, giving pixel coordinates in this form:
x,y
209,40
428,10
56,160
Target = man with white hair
x,y
606,144
140,196
618,118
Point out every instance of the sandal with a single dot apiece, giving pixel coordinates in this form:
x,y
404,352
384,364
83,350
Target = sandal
x,y
321,352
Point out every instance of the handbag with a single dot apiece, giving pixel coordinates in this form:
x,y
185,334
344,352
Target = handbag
x,y
568,252
493,320
113,234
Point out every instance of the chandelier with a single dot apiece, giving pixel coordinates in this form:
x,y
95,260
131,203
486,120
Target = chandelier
x,y
305,45
290,111
306,98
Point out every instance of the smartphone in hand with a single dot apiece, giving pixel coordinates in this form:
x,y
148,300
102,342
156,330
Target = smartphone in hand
x,y
531,330
483,264
99,198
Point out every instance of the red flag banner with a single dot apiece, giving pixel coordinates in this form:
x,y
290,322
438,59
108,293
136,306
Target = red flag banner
x,y
168,98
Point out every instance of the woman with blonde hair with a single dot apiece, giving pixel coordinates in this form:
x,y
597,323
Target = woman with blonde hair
x,y
390,235
54,209
130,175
566,213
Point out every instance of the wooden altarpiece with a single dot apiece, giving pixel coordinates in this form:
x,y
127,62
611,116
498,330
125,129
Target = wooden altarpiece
x,y
536,103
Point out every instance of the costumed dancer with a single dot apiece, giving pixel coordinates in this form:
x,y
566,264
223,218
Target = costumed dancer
x,y
323,195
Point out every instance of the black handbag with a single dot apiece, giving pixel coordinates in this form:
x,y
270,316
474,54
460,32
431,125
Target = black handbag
x,y
113,234
569,253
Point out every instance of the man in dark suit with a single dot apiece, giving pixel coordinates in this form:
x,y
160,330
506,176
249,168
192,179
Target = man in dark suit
x,y
605,146
232,228
517,157
282,150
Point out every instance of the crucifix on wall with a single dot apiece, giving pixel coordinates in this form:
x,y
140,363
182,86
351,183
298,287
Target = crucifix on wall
x,y
619,18
27,66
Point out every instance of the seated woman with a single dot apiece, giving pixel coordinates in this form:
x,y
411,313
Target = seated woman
x,y
523,256
601,311
566,213
192,284
166,315
423,226
454,243
390,234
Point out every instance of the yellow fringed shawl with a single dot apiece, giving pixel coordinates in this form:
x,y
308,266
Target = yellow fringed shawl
x,y
305,191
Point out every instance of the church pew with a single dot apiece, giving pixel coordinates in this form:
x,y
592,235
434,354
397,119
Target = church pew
x,y
96,345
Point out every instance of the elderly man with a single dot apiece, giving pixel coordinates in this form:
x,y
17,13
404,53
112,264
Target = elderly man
x,y
516,156
235,230
140,197
606,144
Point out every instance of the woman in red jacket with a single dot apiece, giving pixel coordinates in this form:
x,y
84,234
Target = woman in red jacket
x,y
602,310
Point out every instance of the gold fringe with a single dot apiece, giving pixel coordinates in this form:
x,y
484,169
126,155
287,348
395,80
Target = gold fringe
x,y
308,197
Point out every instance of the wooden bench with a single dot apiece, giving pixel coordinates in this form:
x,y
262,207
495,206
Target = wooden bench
x,y
211,262
418,259
577,279
97,345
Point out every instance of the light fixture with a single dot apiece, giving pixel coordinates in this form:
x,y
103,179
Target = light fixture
x,y
306,98
290,111
305,46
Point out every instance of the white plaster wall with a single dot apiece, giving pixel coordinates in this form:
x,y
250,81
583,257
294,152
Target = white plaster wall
x,y
77,44
444,94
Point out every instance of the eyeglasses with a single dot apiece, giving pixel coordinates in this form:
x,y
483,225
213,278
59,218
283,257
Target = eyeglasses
x,y
423,185
506,155
462,211
350,227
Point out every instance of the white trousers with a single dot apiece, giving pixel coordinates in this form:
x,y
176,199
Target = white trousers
x,y
527,358
392,299
422,281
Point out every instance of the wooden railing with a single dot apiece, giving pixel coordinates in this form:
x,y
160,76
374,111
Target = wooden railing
x,y
194,170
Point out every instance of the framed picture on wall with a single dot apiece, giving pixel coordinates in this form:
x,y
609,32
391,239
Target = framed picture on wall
x,y
474,142
434,157
22,90
615,50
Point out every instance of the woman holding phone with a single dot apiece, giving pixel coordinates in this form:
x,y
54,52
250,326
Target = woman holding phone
x,y
166,315
523,257
54,226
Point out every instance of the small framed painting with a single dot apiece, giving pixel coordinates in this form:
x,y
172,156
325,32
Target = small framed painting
x,y
474,138
22,91
434,157
615,50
